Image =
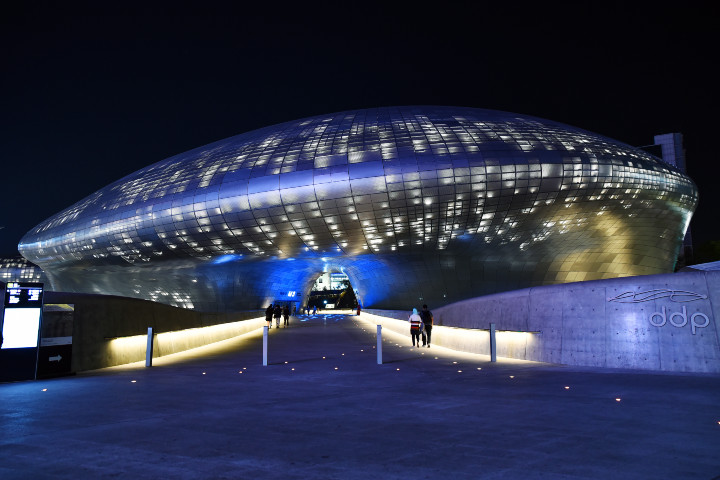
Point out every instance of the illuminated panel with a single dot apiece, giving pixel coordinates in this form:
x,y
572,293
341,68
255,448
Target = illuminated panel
x,y
22,317
22,314
20,328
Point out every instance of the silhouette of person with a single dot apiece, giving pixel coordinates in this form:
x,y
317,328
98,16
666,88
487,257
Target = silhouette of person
x,y
276,313
268,315
427,319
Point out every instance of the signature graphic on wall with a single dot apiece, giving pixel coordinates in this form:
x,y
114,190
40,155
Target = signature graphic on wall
x,y
677,296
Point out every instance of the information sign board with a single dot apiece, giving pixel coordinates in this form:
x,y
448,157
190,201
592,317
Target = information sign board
x,y
22,318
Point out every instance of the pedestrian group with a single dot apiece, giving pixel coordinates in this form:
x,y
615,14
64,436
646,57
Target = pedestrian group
x,y
421,324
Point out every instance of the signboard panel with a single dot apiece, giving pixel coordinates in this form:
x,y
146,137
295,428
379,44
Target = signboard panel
x,y
22,319
20,328
55,357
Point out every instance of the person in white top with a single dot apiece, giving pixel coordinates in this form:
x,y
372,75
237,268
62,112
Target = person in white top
x,y
416,327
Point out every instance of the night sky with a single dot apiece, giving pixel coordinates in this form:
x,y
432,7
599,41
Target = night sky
x,y
93,92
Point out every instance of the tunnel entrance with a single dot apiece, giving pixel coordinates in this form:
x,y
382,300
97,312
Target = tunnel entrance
x,y
332,291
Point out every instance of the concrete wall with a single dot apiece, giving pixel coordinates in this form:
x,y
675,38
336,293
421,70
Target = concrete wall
x,y
656,322
101,322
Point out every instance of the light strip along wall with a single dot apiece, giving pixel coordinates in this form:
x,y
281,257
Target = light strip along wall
x,y
125,350
510,344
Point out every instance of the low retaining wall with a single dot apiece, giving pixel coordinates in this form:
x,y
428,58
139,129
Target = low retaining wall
x,y
109,330
656,322
470,340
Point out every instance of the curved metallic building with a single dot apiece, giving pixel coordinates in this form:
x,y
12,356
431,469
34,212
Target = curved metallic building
x,y
415,204
18,269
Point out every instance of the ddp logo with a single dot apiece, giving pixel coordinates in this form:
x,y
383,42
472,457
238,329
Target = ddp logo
x,y
661,318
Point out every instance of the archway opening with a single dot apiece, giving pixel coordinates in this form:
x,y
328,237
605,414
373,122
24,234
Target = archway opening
x,y
332,291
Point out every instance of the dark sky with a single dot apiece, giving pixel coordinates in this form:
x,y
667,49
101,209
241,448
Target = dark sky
x,y
92,92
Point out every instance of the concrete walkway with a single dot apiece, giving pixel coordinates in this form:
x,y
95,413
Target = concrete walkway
x,y
323,409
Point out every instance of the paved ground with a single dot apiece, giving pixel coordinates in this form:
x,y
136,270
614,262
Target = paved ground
x,y
323,409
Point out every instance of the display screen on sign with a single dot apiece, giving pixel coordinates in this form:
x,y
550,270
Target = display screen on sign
x,y
20,328
23,295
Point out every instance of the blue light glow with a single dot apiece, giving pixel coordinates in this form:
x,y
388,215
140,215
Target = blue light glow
x,y
225,259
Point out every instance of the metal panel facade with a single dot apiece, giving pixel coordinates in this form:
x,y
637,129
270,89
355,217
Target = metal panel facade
x,y
438,203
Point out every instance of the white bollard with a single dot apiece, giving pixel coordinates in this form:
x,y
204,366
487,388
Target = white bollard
x,y
379,345
493,345
149,350
265,337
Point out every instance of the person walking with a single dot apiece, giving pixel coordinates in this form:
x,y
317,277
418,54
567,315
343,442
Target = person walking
x,y
427,319
415,327
276,313
268,315
314,309
286,315
358,308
